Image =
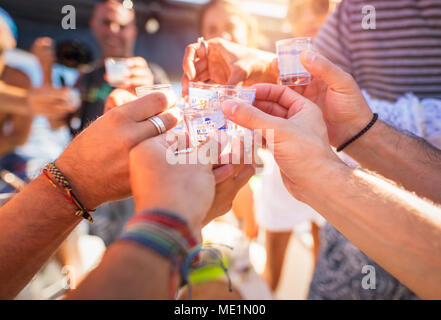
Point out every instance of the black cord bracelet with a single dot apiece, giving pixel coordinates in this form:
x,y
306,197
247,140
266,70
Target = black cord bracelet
x,y
362,132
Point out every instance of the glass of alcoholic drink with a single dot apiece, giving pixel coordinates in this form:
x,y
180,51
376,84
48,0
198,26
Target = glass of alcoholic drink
x,y
291,70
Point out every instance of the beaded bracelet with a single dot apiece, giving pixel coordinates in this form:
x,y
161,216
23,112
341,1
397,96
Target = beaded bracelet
x,y
362,132
60,182
168,235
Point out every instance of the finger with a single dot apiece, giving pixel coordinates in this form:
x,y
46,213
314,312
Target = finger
x,y
237,76
244,175
222,173
117,98
146,107
184,84
248,116
325,70
136,62
203,77
193,52
146,129
272,108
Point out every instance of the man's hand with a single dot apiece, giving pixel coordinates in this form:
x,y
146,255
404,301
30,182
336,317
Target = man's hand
x,y
51,102
97,160
344,108
186,189
301,146
229,180
227,63
44,50
139,74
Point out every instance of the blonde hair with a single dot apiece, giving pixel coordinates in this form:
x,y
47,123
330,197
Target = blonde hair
x,y
253,32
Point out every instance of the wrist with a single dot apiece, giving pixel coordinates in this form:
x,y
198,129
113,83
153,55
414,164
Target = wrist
x,y
367,141
315,183
79,186
193,223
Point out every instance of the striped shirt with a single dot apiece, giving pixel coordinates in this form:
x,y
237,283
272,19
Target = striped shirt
x,y
403,53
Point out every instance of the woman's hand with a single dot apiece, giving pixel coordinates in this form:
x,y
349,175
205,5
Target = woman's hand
x,y
227,63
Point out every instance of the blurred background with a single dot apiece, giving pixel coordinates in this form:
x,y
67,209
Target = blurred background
x,y
164,25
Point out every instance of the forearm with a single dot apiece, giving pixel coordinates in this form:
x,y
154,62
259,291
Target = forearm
x,y
34,224
410,161
127,271
398,230
13,100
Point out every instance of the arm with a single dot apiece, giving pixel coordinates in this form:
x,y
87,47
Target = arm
x,y
400,231
34,223
38,218
395,228
411,161
136,271
407,160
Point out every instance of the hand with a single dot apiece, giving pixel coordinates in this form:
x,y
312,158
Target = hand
x,y
97,161
300,146
139,74
185,189
344,108
44,50
51,102
227,63
117,98
229,180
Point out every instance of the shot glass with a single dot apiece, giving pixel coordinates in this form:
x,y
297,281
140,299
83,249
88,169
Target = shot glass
x,y
242,93
177,111
202,94
291,71
117,71
202,120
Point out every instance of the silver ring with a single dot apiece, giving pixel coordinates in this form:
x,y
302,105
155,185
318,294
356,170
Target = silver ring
x,y
158,123
204,43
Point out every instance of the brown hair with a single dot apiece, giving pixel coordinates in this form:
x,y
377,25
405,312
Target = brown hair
x,y
318,6
253,33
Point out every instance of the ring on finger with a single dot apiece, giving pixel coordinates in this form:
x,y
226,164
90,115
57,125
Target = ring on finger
x,y
202,41
158,123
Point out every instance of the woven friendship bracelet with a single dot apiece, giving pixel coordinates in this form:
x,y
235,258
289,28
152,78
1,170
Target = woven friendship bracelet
x,y
164,233
60,182
362,132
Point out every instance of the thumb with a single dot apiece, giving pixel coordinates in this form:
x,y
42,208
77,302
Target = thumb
x,y
325,70
248,116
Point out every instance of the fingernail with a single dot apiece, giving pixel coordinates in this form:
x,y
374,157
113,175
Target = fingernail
x,y
229,107
310,57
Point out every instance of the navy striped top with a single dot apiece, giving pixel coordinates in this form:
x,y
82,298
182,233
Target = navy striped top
x,y
403,53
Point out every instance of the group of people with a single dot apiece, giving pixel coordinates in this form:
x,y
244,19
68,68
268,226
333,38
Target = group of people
x,y
383,212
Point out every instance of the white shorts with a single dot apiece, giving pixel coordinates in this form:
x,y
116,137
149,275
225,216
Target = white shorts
x,y
276,209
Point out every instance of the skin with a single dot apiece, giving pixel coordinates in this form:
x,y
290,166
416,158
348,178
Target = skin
x,y
400,231
306,22
220,21
114,29
39,218
124,260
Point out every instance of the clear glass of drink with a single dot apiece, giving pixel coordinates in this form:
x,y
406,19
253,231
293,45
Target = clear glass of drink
x,y
246,94
203,120
117,70
291,70
202,94
177,111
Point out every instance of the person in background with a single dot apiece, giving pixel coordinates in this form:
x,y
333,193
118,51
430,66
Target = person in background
x,y
15,118
228,20
276,210
114,28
